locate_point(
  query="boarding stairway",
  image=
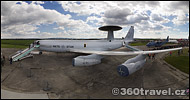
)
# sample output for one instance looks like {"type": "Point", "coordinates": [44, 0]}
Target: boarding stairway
{"type": "Point", "coordinates": [22, 54]}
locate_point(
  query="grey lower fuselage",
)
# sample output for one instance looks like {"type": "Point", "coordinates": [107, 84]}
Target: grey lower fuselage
{"type": "Point", "coordinates": [66, 45]}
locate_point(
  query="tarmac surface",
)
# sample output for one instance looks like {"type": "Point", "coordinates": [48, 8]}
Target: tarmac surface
{"type": "Point", "coordinates": [14, 95]}
{"type": "Point", "coordinates": [53, 74]}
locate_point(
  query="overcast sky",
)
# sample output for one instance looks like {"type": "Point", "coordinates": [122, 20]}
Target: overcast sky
{"type": "Point", "coordinates": [81, 19]}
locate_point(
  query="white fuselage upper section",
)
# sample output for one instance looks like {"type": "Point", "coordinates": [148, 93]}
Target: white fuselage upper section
{"type": "Point", "coordinates": [66, 45]}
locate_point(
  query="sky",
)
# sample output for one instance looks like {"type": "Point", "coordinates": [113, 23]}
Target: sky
{"type": "Point", "coordinates": [81, 19]}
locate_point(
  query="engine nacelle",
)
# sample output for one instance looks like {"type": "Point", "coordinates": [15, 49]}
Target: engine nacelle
{"type": "Point", "coordinates": [87, 60]}
{"type": "Point", "coordinates": [131, 65]}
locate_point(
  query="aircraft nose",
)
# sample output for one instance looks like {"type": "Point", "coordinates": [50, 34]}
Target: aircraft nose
{"type": "Point", "coordinates": [122, 70]}
{"type": "Point", "coordinates": [37, 44]}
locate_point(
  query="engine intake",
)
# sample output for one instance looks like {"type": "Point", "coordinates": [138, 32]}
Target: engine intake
{"type": "Point", "coordinates": [131, 65]}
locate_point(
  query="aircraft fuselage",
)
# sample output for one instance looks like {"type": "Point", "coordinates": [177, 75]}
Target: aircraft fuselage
{"type": "Point", "coordinates": [66, 45]}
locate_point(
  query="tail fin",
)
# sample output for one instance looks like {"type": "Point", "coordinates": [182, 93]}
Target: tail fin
{"type": "Point", "coordinates": [130, 34]}
{"type": "Point", "coordinates": [167, 39]}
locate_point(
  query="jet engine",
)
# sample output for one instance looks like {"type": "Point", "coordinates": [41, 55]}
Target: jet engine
{"type": "Point", "coordinates": [87, 60]}
{"type": "Point", "coordinates": [131, 65]}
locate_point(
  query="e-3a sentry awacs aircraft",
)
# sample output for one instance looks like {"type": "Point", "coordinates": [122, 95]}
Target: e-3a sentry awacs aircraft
{"type": "Point", "coordinates": [97, 49]}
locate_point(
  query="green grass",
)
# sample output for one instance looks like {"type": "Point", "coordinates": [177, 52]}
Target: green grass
{"type": "Point", "coordinates": [12, 46]}
{"type": "Point", "coordinates": [180, 62]}
{"type": "Point", "coordinates": [15, 43]}
{"type": "Point", "coordinates": [138, 43]}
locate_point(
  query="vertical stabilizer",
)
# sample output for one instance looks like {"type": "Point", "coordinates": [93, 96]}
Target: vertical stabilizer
{"type": "Point", "coordinates": [167, 39]}
{"type": "Point", "coordinates": [130, 34]}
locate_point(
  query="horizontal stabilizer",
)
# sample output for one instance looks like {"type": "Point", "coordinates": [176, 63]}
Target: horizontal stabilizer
{"type": "Point", "coordinates": [132, 48]}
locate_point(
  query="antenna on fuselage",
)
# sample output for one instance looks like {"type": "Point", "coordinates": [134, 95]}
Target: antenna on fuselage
{"type": "Point", "coordinates": [110, 30]}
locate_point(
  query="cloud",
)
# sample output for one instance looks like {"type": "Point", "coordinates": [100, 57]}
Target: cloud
{"type": "Point", "coordinates": [124, 17]}
{"type": "Point", "coordinates": [156, 17]}
{"type": "Point", "coordinates": [19, 30]}
{"type": "Point", "coordinates": [168, 8]}
{"type": "Point", "coordinates": [181, 19]}
{"type": "Point", "coordinates": [181, 5]}
{"type": "Point", "coordinates": [59, 28]}
{"type": "Point", "coordinates": [23, 18]}
{"type": "Point", "coordinates": [94, 18]}
{"type": "Point", "coordinates": [149, 17]}
{"type": "Point", "coordinates": [117, 13]}
{"type": "Point", "coordinates": [15, 14]}
{"type": "Point", "coordinates": [84, 7]}
{"type": "Point", "coordinates": [38, 2]}
{"type": "Point", "coordinates": [134, 4]}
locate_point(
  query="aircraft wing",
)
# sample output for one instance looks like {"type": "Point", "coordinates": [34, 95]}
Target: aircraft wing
{"type": "Point", "coordinates": [121, 52]}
